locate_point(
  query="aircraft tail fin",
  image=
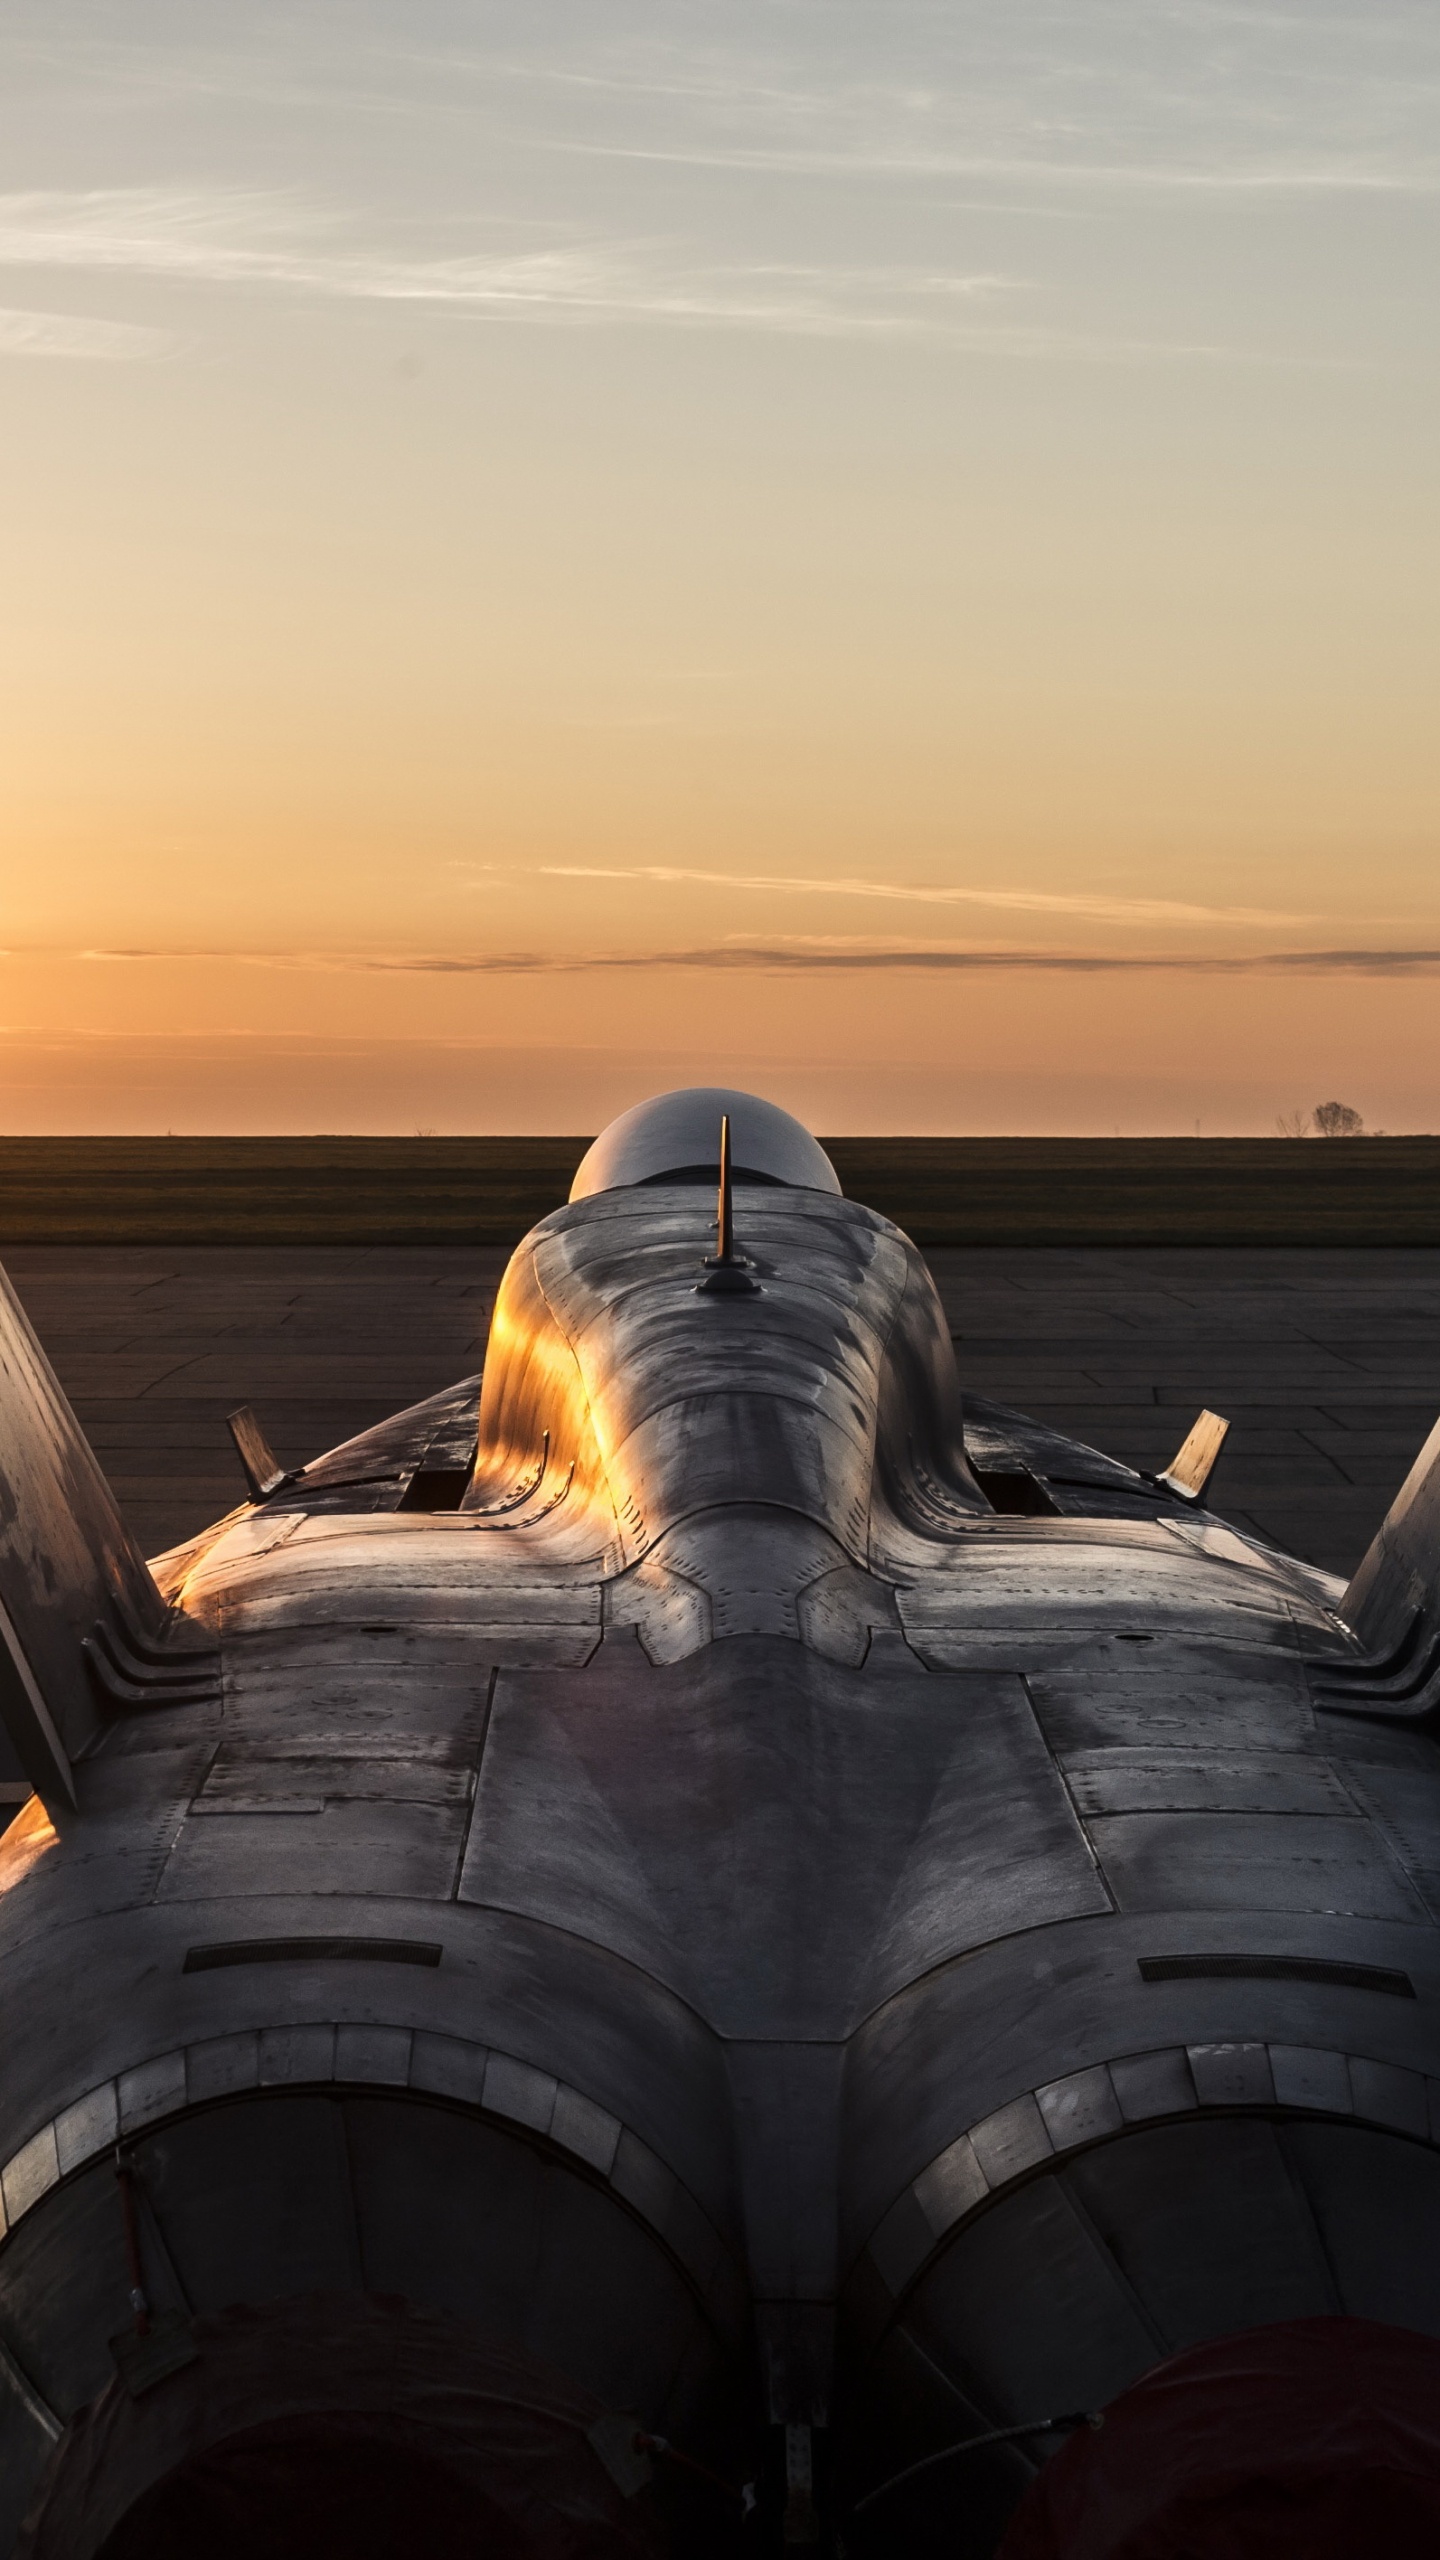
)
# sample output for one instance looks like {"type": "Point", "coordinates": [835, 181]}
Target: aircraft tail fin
{"type": "Point", "coordinates": [66, 1561]}
{"type": "Point", "coordinates": [1396, 1589]}
{"type": "Point", "coordinates": [261, 1468]}
{"type": "Point", "coordinates": [1193, 1464]}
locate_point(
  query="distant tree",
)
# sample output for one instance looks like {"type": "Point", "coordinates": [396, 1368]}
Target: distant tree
{"type": "Point", "coordinates": [1337, 1120]}
{"type": "Point", "coordinates": [1292, 1124]}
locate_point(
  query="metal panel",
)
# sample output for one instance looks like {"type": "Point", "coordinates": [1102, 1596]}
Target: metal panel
{"type": "Point", "coordinates": [1405, 1802]}
{"type": "Point", "coordinates": [1251, 1862]}
{"type": "Point", "coordinates": [914, 1821]}
{"type": "Point", "coordinates": [1231, 2075]}
{"type": "Point", "coordinates": [1191, 1696]}
{"type": "Point", "coordinates": [787, 2120]}
{"type": "Point", "coordinates": [373, 1845]}
{"type": "Point", "coordinates": [66, 1559]}
{"type": "Point", "coordinates": [963, 2042]}
{"type": "Point", "coordinates": [1306, 2079]}
{"type": "Point", "coordinates": [1388, 2094]}
{"type": "Point", "coordinates": [1014, 2139]}
{"type": "Point", "coordinates": [66, 2293]}
{"type": "Point", "coordinates": [1205, 2220]}
{"type": "Point", "coordinates": [28, 2431]}
{"type": "Point", "coordinates": [1397, 1581]}
{"type": "Point", "coordinates": [295, 2056]}
{"type": "Point", "coordinates": [1029, 2305]}
{"type": "Point", "coordinates": [1376, 2201]}
{"type": "Point", "coordinates": [1124, 1780]}
{"type": "Point", "coordinates": [31, 1732]}
{"type": "Point", "coordinates": [241, 1781]}
{"type": "Point", "coordinates": [221, 2066]}
{"type": "Point", "coordinates": [1081, 2108]}
{"type": "Point", "coordinates": [750, 1570]}
{"type": "Point", "coordinates": [592, 2259]}
{"type": "Point", "coordinates": [1078, 1575]}
{"type": "Point", "coordinates": [589, 2131]}
{"type": "Point", "coordinates": [1153, 2084]}
{"type": "Point", "coordinates": [437, 1432]}
{"type": "Point", "coordinates": [254, 2199]}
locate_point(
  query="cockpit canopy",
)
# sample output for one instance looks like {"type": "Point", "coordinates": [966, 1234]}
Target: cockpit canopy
{"type": "Point", "coordinates": [675, 1137]}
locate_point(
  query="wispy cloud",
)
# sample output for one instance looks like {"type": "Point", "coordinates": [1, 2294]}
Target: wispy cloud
{"type": "Point", "coordinates": [1039, 902]}
{"type": "Point", "coordinates": [1098, 176]}
{"type": "Point", "coordinates": [1209, 96]}
{"type": "Point", "coordinates": [1194, 98]}
{"type": "Point", "coordinates": [278, 240]}
{"type": "Point", "coordinates": [61, 333]}
{"type": "Point", "coordinates": [797, 955]}
{"type": "Point", "coordinates": [969, 962]}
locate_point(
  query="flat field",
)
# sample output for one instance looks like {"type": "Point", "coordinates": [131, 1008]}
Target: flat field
{"type": "Point", "coordinates": [943, 1191]}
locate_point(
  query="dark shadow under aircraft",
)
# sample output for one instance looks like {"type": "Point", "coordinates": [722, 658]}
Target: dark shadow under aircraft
{"type": "Point", "coordinates": [691, 1949]}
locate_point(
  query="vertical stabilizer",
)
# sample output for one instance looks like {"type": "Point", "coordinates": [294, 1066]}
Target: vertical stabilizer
{"type": "Point", "coordinates": [1397, 1587]}
{"type": "Point", "coordinates": [1193, 1464]}
{"type": "Point", "coordinates": [66, 1559]}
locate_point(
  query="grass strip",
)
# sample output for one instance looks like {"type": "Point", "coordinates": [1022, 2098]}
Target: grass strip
{"type": "Point", "coordinates": [1003, 1191]}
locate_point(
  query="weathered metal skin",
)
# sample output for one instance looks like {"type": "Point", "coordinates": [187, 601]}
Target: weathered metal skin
{"type": "Point", "coordinates": [64, 1552]}
{"type": "Point", "coordinates": [780, 1942]}
{"type": "Point", "coordinates": [833, 1398]}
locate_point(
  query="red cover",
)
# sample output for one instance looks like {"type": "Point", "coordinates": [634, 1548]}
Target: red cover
{"type": "Point", "coordinates": [1315, 2438]}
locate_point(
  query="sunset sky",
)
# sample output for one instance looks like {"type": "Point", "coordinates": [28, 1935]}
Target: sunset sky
{"type": "Point", "coordinates": [883, 550]}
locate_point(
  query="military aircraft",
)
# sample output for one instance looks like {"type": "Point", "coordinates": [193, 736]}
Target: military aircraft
{"type": "Point", "coordinates": [698, 1946]}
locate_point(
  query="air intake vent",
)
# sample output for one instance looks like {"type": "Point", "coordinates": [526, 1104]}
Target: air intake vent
{"type": "Point", "coordinates": [308, 1950]}
{"type": "Point", "coordinates": [1014, 1489]}
{"type": "Point", "coordinates": [1347, 1977]}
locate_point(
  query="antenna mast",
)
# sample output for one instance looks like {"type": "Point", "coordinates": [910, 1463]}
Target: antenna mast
{"type": "Point", "coordinates": [727, 1272]}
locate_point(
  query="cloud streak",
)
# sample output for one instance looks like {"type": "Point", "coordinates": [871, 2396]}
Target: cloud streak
{"type": "Point", "coordinates": [1039, 902]}
{"type": "Point", "coordinates": [279, 241]}
{"type": "Point", "coordinates": [270, 239]}
{"type": "Point", "coordinates": [1209, 96]}
{"type": "Point", "coordinates": [1095, 176]}
{"type": "Point", "coordinates": [1194, 98]}
{"type": "Point", "coordinates": [796, 956]}
{"type": "Point", "coordinates": [62, 334]}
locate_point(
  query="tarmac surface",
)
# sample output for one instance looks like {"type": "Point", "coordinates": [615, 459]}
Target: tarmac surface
{"type": "Point", "coordinates": [1326, 1361]}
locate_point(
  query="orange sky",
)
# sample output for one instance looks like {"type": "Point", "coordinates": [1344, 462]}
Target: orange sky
{"type": "Point", "coordinates": [552, 553]}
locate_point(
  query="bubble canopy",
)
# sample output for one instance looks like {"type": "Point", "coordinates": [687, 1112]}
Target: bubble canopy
{"type": "Point", "coordinates": [675, 1137]}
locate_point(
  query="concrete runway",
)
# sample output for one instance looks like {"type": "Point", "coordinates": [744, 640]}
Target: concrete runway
{"type": "Point", "coordinates": [1327, 1362]}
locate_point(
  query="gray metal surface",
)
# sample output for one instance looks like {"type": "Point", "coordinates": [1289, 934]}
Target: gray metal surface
{"type": "Point", "coordinates": [701, 1894]}
{"type": "Point", "coordinates": [66, 1560]}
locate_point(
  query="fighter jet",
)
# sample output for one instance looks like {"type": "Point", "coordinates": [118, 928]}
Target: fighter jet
{"type": "Point", "coordinates": [701, 1945]}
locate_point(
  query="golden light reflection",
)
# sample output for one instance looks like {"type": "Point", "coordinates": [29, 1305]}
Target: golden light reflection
{"type": "Point", "coordinates": [534, 1408]}
{"type": "Point", "coordinates": [22, 1847]}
